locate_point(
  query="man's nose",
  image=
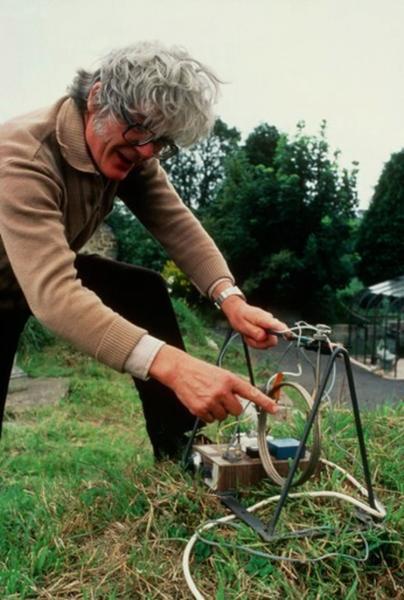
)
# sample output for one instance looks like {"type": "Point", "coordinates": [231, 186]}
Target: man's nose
{"type": "Point", "coordinates": [145, 151]}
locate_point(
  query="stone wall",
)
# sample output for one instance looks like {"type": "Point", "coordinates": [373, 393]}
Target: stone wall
{"type": "Point", "coordinates": [103, 242]}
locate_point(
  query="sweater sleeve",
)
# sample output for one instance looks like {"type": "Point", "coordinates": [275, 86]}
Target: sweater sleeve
{"type": "Point", "coordinates": [33, 234]}
{"type": "Point", "coordinates": [153, 199]}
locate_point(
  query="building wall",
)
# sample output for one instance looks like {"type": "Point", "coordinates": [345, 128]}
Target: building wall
{"type": "Point", "coordinates": [103, 242]}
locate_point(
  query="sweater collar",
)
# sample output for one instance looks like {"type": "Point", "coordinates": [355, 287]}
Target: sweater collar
{"type": "Point", "coordinates": [71, 139]}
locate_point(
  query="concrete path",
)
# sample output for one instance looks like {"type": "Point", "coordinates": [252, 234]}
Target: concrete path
{"type": "Point", "coordinates": [28, 393]}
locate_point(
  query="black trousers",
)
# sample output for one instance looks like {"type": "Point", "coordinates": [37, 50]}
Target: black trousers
{"type": "Point", "coordinates": [140, 296]}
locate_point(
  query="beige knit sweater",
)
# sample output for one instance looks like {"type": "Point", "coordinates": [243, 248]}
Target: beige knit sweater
{"type": "Point", "coordinates": [51, 201]}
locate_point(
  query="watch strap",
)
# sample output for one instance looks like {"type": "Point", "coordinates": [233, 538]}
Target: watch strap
{"type": "Point", "coordinates": [230, 291]}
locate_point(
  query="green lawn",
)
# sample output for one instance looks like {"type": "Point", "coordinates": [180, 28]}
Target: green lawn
{"type": "Point", "coordinates": [85, 514]}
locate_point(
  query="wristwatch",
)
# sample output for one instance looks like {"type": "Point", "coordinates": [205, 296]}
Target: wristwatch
{"type": "Point", "coordinates": [230, 291]}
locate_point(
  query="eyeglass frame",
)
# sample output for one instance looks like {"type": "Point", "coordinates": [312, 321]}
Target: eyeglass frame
{"type": "Point", "coordinates": [172, 147]}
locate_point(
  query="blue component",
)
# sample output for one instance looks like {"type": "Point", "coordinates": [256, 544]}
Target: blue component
{"type": "Point", "coordinates": [283, 448]}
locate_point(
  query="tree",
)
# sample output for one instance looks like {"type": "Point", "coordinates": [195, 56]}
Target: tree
{"type": "Point", "coordinates": [381, 233]}
{"type": "Point", "coordinates": [135, 244]}
{"type": "Point", "coordinates": [260, 145]}
{"type": "Point", "coordinates": [286, 228]}
{"type": "Point", "coordinates": [197, 173]}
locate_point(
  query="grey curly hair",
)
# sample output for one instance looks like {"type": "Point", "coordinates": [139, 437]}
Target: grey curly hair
{"type": "Point", "coordinates": [174, 91]}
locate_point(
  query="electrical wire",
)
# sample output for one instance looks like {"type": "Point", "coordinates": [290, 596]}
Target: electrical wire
{"type": "Point", "coordinates": [379, 512]}
{"type": "Point", "coordinates": [307, 469]}
{"type": "Point", "coordinates": [289, 558]}
{"type": "Point", "coordinates": [230, 337]}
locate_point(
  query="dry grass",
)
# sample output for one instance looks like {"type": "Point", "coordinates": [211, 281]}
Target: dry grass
{"type": "Point", "coordinates": [85, 515]}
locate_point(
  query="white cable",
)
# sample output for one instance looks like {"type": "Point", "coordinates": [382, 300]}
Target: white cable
{"type": "Point", "coordinates": [284, 373]}
{"type": "Point", "coordinates": [300, 326]}
{"type": "Point", "coordinates": [379, 512]}
{"type": "Point", "coordinates": [328, 391]}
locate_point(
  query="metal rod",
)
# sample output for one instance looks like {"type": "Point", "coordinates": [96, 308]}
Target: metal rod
{"type": "Point", "coordinates": [374, 343]}
{"type": "Point", "coordinates": [366, 345]}
{"type": "Point", "coordinates": [359, 429]}
{"type": "Point", "coordinates": [306, 432]}
{"type": "Point", "coordinates": [398, 328]}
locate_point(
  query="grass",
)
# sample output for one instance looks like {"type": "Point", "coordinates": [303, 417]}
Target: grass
{"type": "Point", "coordinates": [85, 514]}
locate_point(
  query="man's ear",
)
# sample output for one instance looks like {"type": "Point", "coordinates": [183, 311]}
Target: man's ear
{"type": "Point", "coordinates": [92, 100]}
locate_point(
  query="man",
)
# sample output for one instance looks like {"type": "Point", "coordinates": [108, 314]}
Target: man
{"type": "Point", "coordinates": [60, 170]}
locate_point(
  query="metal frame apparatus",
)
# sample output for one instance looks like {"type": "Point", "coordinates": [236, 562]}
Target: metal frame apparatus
{"type": "Point", "coordinates": [369, 511]}
{"type": "Point", "coordinates": [376, 327]}
{"type": "Point", "coordinates": [321, 345]}
{"type": "Point", "coordinates": [337, 352]}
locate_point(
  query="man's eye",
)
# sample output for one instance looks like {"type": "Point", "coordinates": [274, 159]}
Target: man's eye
{"type": "Point", "coordinates": [140, 128]}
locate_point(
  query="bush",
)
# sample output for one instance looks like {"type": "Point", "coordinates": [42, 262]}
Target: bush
{"type": "Point", "coordinates": [178, 283]}
{"type": "Point", "coordinates": [346, 295]}
{"type": "Point", "coordinates": [34, 337]}
{"type": "Point", "coordinates": [136, 245]}
{"type": "Point", "coordinates": [191, 325]}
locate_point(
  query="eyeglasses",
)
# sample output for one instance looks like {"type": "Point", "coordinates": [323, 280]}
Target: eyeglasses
{"type": "Point", "coordinates": [138, 135]}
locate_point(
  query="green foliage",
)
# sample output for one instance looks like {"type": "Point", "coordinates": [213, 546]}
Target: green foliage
{"type": "Point", "coordinates": [286, 229]}
{"type": "Point", "coordinates": [177, 282]}
{"type": "Point", "coordinates": [34, 337]}
{"type": "Point", "coordinates": [197, 173]}
{"type": "Point", "coordinates": [381, 239]}
{"type": "Point", "coordinates": [191, 325]}
{"type": "Point", "coordinates": [279, 207]}
{"type": "Point", "coordinates": [348, 293]}
{"type": "Point", "coordinates": [260, 145]}
{"type": "Point", "coordinates": [85, 514]}
{"type": "Point", "coordinates": [135, 244]}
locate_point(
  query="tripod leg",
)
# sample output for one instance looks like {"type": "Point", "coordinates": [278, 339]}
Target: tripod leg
{"type": "Point", "coordinates": [358, 424]}
{"type": "Point", "coordinates": [306, 432]}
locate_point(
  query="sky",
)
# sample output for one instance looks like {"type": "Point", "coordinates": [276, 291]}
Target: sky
{"type": "Point", "coordinates": [282, 61]}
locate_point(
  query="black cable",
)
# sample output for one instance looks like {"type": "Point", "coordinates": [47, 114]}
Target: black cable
{"type": "Point", "coordinates": [230, 335]}
{"type": "Point", "coordinates": [248, 361]}
{"type": "Point", "coordinates": [185, 460]}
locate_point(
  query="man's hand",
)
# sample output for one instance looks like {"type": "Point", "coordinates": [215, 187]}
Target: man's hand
{"type": "Point", "coordinates": [207, 391]}
{"type": "Point", "coordinates": [252, 323]}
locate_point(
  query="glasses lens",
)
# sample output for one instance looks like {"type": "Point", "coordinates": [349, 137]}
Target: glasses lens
{"type": "Point", "coordinates": [138, 135]}
{"type": "Point", "coordinates": [164, 150]}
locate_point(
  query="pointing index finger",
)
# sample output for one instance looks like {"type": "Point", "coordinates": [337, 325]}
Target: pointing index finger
{"type": "Point", "coordinates": [259, 398]}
